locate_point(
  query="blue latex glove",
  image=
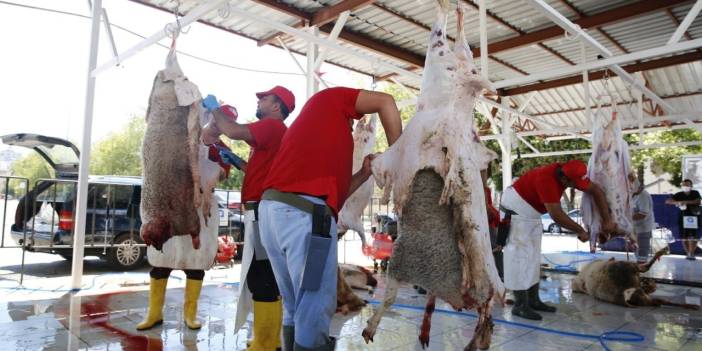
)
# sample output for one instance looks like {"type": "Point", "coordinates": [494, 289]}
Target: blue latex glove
{"type": "Point", "coordinates": [230, 158]}
{"type": "Point", "coordinates": [210, 103]}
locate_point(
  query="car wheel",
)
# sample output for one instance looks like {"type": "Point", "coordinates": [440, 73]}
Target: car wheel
{"type": "Point", "coordinates": [126, 255]}
{"type": "Point", "coordinates": [554, 228]}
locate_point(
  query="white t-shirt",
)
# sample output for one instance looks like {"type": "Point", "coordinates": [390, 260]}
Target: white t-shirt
{"type": "Point", "coordinates": [643, 203]}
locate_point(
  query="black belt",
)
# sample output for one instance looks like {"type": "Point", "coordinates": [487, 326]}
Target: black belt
{"type": "Point", "coordinates": [252, 206]}
{"type": "Point", "coordinates": [321, 214]}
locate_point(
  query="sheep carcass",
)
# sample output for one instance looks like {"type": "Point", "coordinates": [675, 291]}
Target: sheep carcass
{"type": "Point", "coordinates": [351, 215]}
{"type": "Point", "coordinates": [618, 282]}
{"type": "Point", "coordinates": [352, 277]}
{"type": "Point", "coordinates": [610, 168]}
{"type": "Point", "coordinates": [171, 194]}
{"type": "Point", "coordinates": [434, 173]}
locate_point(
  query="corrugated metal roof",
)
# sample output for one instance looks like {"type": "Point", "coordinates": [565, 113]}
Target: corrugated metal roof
{"type": "Point", "coordinates": [404, 25]}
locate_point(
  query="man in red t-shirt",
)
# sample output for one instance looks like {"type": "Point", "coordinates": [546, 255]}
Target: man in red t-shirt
{"type": "Point", "coordinates": [257, 278]}
{"type": "Point", "coordinates": [536, 192]}
{"type": "Point", "coordinates": [307, 185]}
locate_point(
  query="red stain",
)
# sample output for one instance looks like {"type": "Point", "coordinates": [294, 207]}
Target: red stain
{"type": "Point", "coordinates": [96, 313]}
{"type": "Point", "coordinates": [597, 314]}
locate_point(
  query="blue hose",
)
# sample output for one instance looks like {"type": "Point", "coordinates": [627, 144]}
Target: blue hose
{"type": "Point", "coordinates": [620, 336]}
{"type": "Point", "coordinates": [570, 266]}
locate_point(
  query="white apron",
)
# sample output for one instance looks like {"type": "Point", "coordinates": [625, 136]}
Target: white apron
{"type": "Point", "coordinates": [522, 253]}
{"type": "Point", "coordinates": [245, 302]}
{"type": "Point", "coordinates": [178, 251]}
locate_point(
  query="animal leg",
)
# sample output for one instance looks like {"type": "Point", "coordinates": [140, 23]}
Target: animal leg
{"type": "Point", "coordinates": [193, 145]}
{"type": "Point", "coordinates": [426, 322]}
{"type": "Point", "coordinates": [388, 300]}
{"type": "Point", "coordinates": [645, 267]}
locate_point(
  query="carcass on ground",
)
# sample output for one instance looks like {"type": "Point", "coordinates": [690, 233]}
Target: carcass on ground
{"type": "Point", "coordinates": [433, 171]}
{"type": "Point", "coordinates": [619, 282]}
{"type": "Point", "coordinates": [352, 277]}
{"type": "Point", "coordinates": [610, 168]}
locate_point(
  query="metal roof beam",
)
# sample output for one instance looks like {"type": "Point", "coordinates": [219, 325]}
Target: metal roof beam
{"type": "Point", "coordinates": [574, 29]}
{"type": "Point", "coordinates": [330, 13]}
{"type": "Point", "coordinates": [631, 147]}
{"type": "Point", "coordinates": [606, 17]}
{"type": "Point", "coordinates": [636, 67]}
{"type": "Point", "coordinates": [608, 62]}
{"type": "Point", "coordinates": [682, 28]}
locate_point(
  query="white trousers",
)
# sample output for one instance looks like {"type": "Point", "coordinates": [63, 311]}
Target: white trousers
{"type": "Point", "coordinates": [522, 253]}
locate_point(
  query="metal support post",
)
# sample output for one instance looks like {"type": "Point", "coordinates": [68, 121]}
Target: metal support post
{"type": "Point", "coordinates": [81, 205]}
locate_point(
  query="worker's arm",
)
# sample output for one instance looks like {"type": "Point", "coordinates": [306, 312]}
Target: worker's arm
{"type": "Point", "coordinates": [608, 226]}
{"type": "Point", "coordinates": [230, 128]}
{"type": "Point", "coordinates": [554, 209]}
{"type": "Point", "coordinates": [384, 105]}
{"type": "Point", "coordinates": [362, 175]}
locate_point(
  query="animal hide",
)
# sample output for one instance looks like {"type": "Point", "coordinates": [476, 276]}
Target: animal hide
{"type": "Point", "coordinates": [619, 282]}
{"type": "Point", "coordinates": [433, 171]}
{"type": "Point", "coordinates": [351, 215]}
{"type": "Point", "coordinates": [610, 168]}
{"type": "Point", "coordinates": [173, 191]}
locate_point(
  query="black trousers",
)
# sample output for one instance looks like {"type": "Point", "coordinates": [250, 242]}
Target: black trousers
{"type": "Point", "coordinates": [164, 272]}
{"type": "Point", "coordinates": [261, 281]}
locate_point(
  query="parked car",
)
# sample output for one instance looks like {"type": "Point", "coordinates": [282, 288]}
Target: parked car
{"type": "Point", "coordinates": [552, 227]}
{"type": "Point", "coordinates": [45, 215]}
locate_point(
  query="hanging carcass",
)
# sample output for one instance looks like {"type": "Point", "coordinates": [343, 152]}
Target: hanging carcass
{"type": "Point", "coordinates": [609, 167]}
{"type": "Point", "coordinates": [350, 216]}
{"type": "Point", "coordinates": [618, 282]}
{"type": "Point", "coordinates": [433, 171]}
{"type": "Point", "coordinates": [173, 192]}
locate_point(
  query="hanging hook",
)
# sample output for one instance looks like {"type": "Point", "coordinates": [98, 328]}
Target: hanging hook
{"type": "Point", "coordinates": [173, 31]}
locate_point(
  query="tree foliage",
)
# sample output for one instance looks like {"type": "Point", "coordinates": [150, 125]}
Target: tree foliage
{"type": "Point", "coordinates": [667, 160]}
{"type": "Point", "coordinates": [120, 152]}
{"type": "Point", "coordinates": [406, 113]}
{"type": "Point", "coordinates": [33, 167]}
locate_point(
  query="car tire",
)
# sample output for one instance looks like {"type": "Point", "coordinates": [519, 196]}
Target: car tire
{"type": "Point", "coordinates": [554, 229]}
{"type": "Point", "coordinates": [125, 258]}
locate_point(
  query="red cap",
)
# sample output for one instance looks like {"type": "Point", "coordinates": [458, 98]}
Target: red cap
{"type": "Point", "coordinates": [576, 170]}
{"type": "Point", "coordinates": [285, 95]}
{"type": "Point", "coordinates": [229, 111]}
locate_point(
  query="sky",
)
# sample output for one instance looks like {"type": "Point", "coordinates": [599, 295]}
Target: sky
{"type": "Point", "coordinates": [44, 64]}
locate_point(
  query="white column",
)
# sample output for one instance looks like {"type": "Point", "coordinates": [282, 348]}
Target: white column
{"type": "Point", "coordinates": [79, 229]}
{"type": "Point", "coordinates": [506, 147]}
{"type": "Point", "coordinates": [312, 50]}
{"type": "Point", "coordinates": [586, 83]}
{"type": "Point", "coordinates": [639, 113]}
{"type": "Point", "coordinates": [483, 38]}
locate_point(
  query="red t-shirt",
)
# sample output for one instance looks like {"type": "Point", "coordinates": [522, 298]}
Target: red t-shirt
{"type": "Point", "coordinates": [316, 154]}
{"type": "Point", "coordinates": [267, 135]}
{"type": "Point", "coordinates": [540, 186]}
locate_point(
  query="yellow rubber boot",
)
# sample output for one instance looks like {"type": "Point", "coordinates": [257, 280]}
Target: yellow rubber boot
{"type": "Point", "coordinates": [192, 293]}
{"type": "Point", "coordinates": [157, 295]}
{"type": "Point", "coordinates": [267, 322]}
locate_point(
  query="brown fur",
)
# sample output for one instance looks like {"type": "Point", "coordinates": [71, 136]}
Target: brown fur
{"type": "Point", "coordinates": [346, 300]}
{"type": "Point", "coordinates": [619, 282]}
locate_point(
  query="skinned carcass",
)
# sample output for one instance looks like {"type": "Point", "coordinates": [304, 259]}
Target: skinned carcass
{"type": "Point", "coordinates": [618, 282]}
{"type": "Point", "coordinates": [610, 168]}
{"type": "Point", "coordinates": [172, 192]}
{"type": "Point", "coordinates": [433, 171]}
{"type": "Point", "coordinates": [350, 216]}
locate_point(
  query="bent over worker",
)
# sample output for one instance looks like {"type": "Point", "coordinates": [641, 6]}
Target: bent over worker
{"type": "Point", "coordinates": [307, 185]}
{"type": "Point", "coordinates": [257, 279]}
{"type": "Point", "coordinates": [536, 192]}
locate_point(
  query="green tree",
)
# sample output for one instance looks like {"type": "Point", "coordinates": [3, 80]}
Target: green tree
{"type": "Point", "coordinates": [120, 152]}
{"type": "Point", "coordinates": [31, 166]}
{"type": "Point", "coordinates": [236, 177]}
{"type": "Point", "coordinates": [666, 160]}
{"type": "Point", "coordinates": [406, 113]}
